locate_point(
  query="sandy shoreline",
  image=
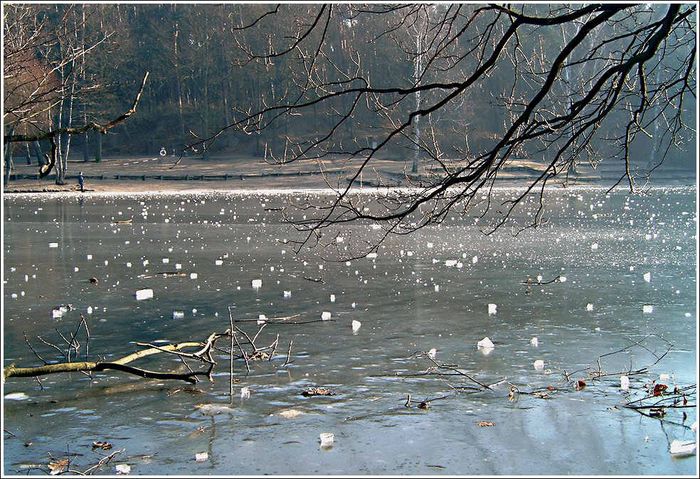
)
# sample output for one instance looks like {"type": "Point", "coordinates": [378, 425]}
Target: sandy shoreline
{"type": "Point", "coordinates": [161, 175]}
{"type": "Point", "coordinates": [155, 174]}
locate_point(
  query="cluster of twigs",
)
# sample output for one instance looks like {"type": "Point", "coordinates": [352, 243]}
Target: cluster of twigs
{"type": "Point", "coordinates": [196, 356]}
{"type": "Point", "coordinates": [656, 401]}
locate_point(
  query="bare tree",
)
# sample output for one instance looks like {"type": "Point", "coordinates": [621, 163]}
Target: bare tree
{"type": "Point", "coordinates": [45, 81]}
{"type": "Point", "coordinates": [576, 83]}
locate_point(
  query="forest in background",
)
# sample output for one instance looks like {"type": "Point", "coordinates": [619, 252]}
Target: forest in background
{"type": "Point", "coordinates": [210, 65]}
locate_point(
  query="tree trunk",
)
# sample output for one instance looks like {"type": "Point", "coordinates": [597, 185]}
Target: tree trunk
{"type": "Point", "coordinates": [205, 153]}
{"type": "Point", "coordinates": [98, 150]}
{"type": "Point", "coordinates": [8, 159]}
{"type": "Point", "coordinates": [36, 146]}
{"type": "Point", "coordinates": [86, 152]}
{"type": "Point", "coordinates": [178, 86]}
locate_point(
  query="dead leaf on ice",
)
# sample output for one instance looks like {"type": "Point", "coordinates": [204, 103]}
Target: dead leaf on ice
{"type": "Point", "coordinates": [58, 467]}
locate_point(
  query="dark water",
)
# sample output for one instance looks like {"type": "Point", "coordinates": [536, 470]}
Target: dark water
{"type": "Point", "coordinates": [428, 290]}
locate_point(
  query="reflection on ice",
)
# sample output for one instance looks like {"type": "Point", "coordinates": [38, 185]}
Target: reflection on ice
{"type": "Point", "coordinates": [392, 293]}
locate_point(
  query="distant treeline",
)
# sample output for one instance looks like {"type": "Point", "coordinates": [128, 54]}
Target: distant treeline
{"type": "Point", "coordinates": [211, 64]}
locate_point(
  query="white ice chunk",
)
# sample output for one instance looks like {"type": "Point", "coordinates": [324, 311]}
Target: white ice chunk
{"type": "Point", "coordinates": [262, 319]}
{"type": "Point", "coordinates": [122, 468]}
{"type": "Point", "coordinates": [371, 255]}
{"type": "Point", "coordinates": [432, 353]}
{"type": "Point", "coordinates": [475, 259]}
{"type": "Point", "coordinates": [437, 288]}
{"type": "Point", "coordinates": [178, 266]}
{"type": "Point", "coordinates": [56, 313]}
{"type": "Point", "coordinates": [193, 275]}
{"type": "Point", "coordinates": [89, 310]}
{"type": "Point", "coordinates": [562, 279]}
{"type": "Point", "coordinates": [589, 307]}
{"type": "Point", "coordinates": [594, 246]}
{"type": "Point", "coordinates": [89, 257]}
{"type": "Point", "coordinates": [287, 294]}
{"type": "Point", "coordinates": [486, 351]}
{"type": "Point", "coordinates": [648, 308]}
{"type": "Point", "coordinates": [450, 262]}
{"type": "Point", "coordinates": [485, 343]}
{"type": "Point", "coordinates": [332, 298]}
{"type": "Point", "coordinates": [16, 396]}
{"type": "Point", "coordinates": [144, 294]}
{"type": "Point", "coordinates": [201, 456]}
{"type": "Point", "coordinates": [535, 342]}
{"type": "Point", "coordinates": [218, 262]}
{"type": "Point", "coordinates": [245, 392]}
{"type": "Point", "coordinates": [166, 260]}
{"type": "Point", "coordinates": [429, 244]}
{"type": "Point", "coordinates": [53, 245]}
{"type": "Point", "coordinates": [492, 308]}
{"type": "Point", "coordinates": [256, 283]}
{"type": "Point", "coordinates": [326, 315]}
{"type": "Point", "coordinates": [356, 325]}
{"type": "Point", "coordinates": [539, 365]}
{"type": "Point", "coordinates": [683, 448]}
{"type": "Point", "coordinates": [624, 383]}
{"type": "Point", "coordinates": [178, 314]}
{"type": "Point", "coordinates": [327, 439]}
{"type": "Point", "coordinates": [647, 277]}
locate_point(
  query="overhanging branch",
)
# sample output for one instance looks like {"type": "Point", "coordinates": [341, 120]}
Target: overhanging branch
{"type": "Point", "coordinates": [102, 128]}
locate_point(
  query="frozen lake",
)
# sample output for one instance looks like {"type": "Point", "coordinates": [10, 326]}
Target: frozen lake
{"type": "Point", "coordinates": [430, 290]}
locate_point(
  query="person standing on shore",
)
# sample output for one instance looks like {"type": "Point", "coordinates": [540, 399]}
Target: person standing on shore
{"type": "Point", "coordinates": [81, 181]}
